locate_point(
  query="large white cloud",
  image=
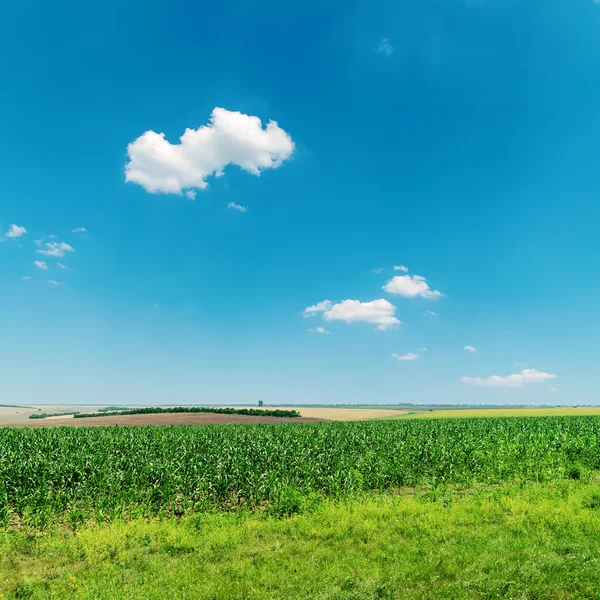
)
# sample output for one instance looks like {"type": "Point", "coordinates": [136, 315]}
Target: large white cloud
{"type": "Point", "coordinates": [230, 138]}
{"type": "Point", "coordinates": [379, 312]}
{"type": "Point", "coordinates": [516, 380]}
{"type": "Point", "coordinates": [16, 231]}
{"type": "Point", "coordinates": [410, 286]}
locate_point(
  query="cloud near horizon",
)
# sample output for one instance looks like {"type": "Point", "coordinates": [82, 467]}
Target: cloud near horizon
{"type": "Point", "coordinates": [229, 138]}
{"type": "Point", "coordinates": [515, 380]}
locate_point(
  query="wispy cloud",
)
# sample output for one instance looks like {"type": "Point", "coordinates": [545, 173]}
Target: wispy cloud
{"type": "Point", "coordinates": [409, 356]}
{"type": "Point", "coordinates": [61, 266]}
{"type": "Point", "coordinates": [321, 330]}
{"type": "Point", "coordinates": [401, 268]}
{"type": "Point", "coordinates": [40, 264]}
{"type": "Point", "coordinates": [377, 270]}
{"type": "Point", "coordinates": [26, 278]}
{"type": "Point", "coordinates": [190, 194]}
{"type": "Point", "coordinates": [56, 249]}
{"type": "Point", "coordinates": [556, 388]}
{"type": "Point", "coordinates": [515, 380]}
{"type": "Point", "coordinates": [16, 231]}
{"type": "Point", "coordinates": [229, 138]}
{"type": "Point", "coordinates": [430, 313]}
{"type": "Point", "coordinates": [52, 282]}
{"type": "Point", "coordinates": [385, 47]}
{"type": "Point", "coordinates": [237, 207]}
{"type": "Point", "coordinates": [470, 349]}
{"type": "Point", "coordinates": [79, 230]}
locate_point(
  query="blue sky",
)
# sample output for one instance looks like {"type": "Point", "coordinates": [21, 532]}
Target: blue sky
{"type": "Point", "coordinates": [456, 138]}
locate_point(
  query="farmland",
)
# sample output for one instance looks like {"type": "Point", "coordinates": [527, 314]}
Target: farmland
{"type": "Point", "coordinates": [416, 508]}
{"type": "Point", "coordinates": [103, 473]}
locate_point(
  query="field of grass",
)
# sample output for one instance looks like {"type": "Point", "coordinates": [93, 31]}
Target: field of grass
{"type": "Point", "coordinates": [404, 508]}
{"type": "Point", "coordinates": [536, 541]}
{"type": "Point", "coordinates": [506, 412]}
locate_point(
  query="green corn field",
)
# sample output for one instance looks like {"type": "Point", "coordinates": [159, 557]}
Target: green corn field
{"type": "Point", "coordinates": [78, 474]}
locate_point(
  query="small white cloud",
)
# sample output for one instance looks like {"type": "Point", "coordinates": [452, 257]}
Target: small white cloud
{"type": "Point", "coordinates": [79, 230]}
{"type": "Point", "coordinates": [311, 311]}
{"type": "Point", "coordinates": [430, 313]}
{"type": "Point", "coordinates": [38, 243]}
{"type": "Point", "coordinates": [410, 287]}
{"type": "Point", "coordinates": [61, 266]}
{"type": "Point", "coordinates": [379, 312]}
{"type": "Point", "coordinates": [238, 207]}
{"type": "Point", "coordinates": [386, 47]}
{"type": "Point", "coordinates": [526, 376]}
{"type": "Point", "coordinates": [229, 138]}
{"type": "Point", "coordinates": [377, 270]}
{"type": "Point", "coordinates": [401, 268]}
{"type": "Point", "coordinates": [52, 282]}
{"type": "Point", "coordinates": [26, 278]}
{"type": "Point", "coordinates": [40, 264]}
{"type": "Point", "coordinates": [16, 231]}
{"type": "Point", "coordinates": [321, 330]}
{"type": "Point", "coordinates": [556, 388]}
{"type": "Point", "coordinates": [470, 349]}
{"type": "Point", "coordinates": [52, 236]}
{"type": "Point", "coordinates": [56, 249]}
{"type": "Point", "coordinates": [409, 356]}
{"type": "Point", "coordinates": [190, 194]}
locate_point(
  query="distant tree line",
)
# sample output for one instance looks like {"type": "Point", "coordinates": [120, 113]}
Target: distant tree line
{"type": "Point", "coordinates": [253, 412]}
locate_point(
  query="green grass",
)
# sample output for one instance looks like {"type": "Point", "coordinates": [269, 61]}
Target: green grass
{"type": "Point", "coordinates": [538, 541]}
{"type": "Point", "coordinates": [74, 475]}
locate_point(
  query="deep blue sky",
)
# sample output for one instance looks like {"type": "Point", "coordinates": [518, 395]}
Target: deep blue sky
{"type": "Point", "coordinates": [468, 151]}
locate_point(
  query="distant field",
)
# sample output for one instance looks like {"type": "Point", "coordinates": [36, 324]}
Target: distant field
{"type": "Point", "coordinates": [506, 412]}
{"type": "Point", "coordinates": [346, 414]}
{"type": "Point", "coordinates": [20, 417]}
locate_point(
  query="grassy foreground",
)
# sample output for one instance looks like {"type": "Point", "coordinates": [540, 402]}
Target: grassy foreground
{"type": "Point", "coordinates": [522, 542]}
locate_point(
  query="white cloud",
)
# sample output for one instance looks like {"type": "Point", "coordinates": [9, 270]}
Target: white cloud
{"type": "Point", "coordinates": [470, 349]}
{"type": "Point", "coordinates": [38, 242]}
{"type": "Point", "coordinates": [320, 330]}
{"type": "Point", "coordinates": [556, 388]}
{"type": "Point", "coordinates": [237, 207]}
{"type": "Point", "coordinates": [230, 138]}
{"type": "Point", "coordinates": [16, 231]}
{"type": "Point", "coordinates": [190, 194]}
{"type": "Point", "coordinates": [410, 287]}
{"type": "Point", "coordinates": [386, 47]}
{"type": "Point", "coordinates": [52, 236]}
{"type": "Point", "coordinates": [311, 311]}
{"type": "Point", "coordinates": [377, 270]}
{"type": "Point", "coordinates": [409, 356]}
{"type": "Point", "coordinates": [52, 282]}
{"type": "Point", "coordinates": [56, 249]}
{"type": "Point", "coordinates": [430, 313]}
{"type": "Point", "coordinates": [61, 266]}
{"type": "Point", "coordinates": [516, 380]}
{"type": "Point", "coordinates": [79, 230]}
{"type": "Point", "coordinates": [379, 312]}
{"type": "Point", "coordinates": [40, 264]}
{"type": "Point", "coordinates": [26, 278]}
{"type": "Point", "coordinates": [401, 268]}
